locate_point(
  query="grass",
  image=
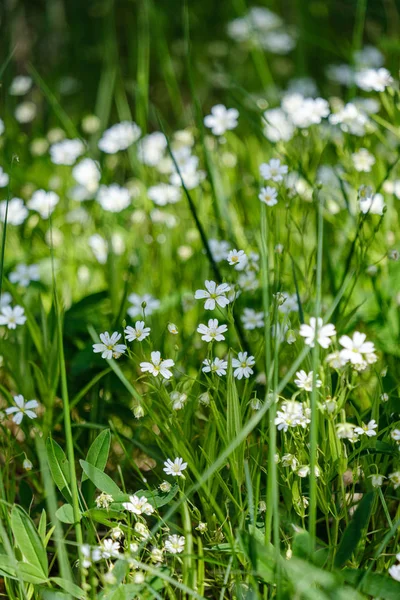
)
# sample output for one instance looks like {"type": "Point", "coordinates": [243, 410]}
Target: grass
{"type": "Point", "coordinates": [279, 496]}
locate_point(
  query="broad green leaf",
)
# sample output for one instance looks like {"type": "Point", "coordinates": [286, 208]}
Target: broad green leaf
{"type": "Point", "coordinates": [30, 573]}
{"type": "Point", "coordinates": [42, 526]}
{"type": "Point", "coordinates": [28, 541]}
{"type": "Point", "coordinates": [69, 587]}
{"type": "Point", "coordinates": [354, 530]}
{"type": "Point", "coordinates": [374, 584]}
{"type": "Point", "coordinates": [98, 452]}
{"type": "Point", "coordinates": [59, 467]}
{"type": "Point", "coordinates": [66, 514]}
{"type": "Point", "coordinates": [103, 516]}
{"type": "Point", "coordinates": [102, 481]}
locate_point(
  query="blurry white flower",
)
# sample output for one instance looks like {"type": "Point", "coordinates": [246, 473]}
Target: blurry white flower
{"type": "Point", "coordinates": [273, 170]}
{"type": "Point", "coordinates": [356, 349]}
{"type": "Point", "coordinates": [221, 119]}
{"type": "Point", "coordinates": [351, 119]}
{"type": "Point", "coordinates": [140, 304]}
{"type": "Point", "coordinates": [175, 468]}
{"type": "Point", "coordinates": [4, 178]}
{"type": "Point", "coordinates": [24, 274]}
{"type": "Point", "coordinates": [374, 205]}
{"type": "Point", "coordinates": [66, 152]}
{"type": "Point", "coordinates": [277, 125]}
{"type": "Point", "coordinates": [119, 137]}
{"type": "Point", "coordinates": [163, 194]}
{"type": "Point", "coordinates": [172, 328]}
{"type": "Point", "coordinates": [212, 331]}
{"type": "Point", "coordinates": [158, 366]}
{"type": "Point", "coordinates": [138, 333]}
{"type": "Point", "coordinates": [16, 213]}
{"type": "Point", "coordinates": [304, 381]}
{"type": "Point", "coordinates": [113, 198]}
{"type": "Point", "coordinates": [213, 294]}
{"type": "Point", "coordinates": [345, 430]}
{"type": "Point", "coordinates": [324, 333]}
{"type": "Point", "coordinates": [138, 506]}
{"type": "Point", "coordinates": [109, 549]}
{"type": "Point", "coordinates": [22, 408]}
{"type": "Point", "coordinates": [304, 471]}
{"type": "Point", "coordinates": [25, 112]}
{"type": "Point", "coordinates": [11, 317]}
{"type": "Point", "coordinates": [268, 195]}
{"type": "Point", "coordinates": [376, 80]}
{"type": "Point", "coordinates": [290, 303]}
{"type": "Point", "coordinates": [87, 174]}
{"type": "Point", "coordinates": [238, 259]}
{"type": "Point", "coordinates": [178, 400]}
{"type": "Point", "coordinates": [395, 479]}
{"type": "Point", "coordinates": [242, 365]}
{"type": "Point", "coordinates": [394, 572]}
{"type": "Point", "coordinates": [99, 247]}
{"type": "Point", "coordinates": [27, 465]}
{"type": "Point", "coordinates": [109, 346]}
{"type": "Point", "coordinates": [43, 202]}
{"type": "Point", "coordinates": [252, 319]}
{"type": "Point", "coordinates": [91, 124]}
{"type": "Point", "coordinates": [20, 85]}
{"type": "Point", "coordinates": [219, 249]}
{"type": "Point", "coordinates": [151, 148]}
{"type": "Point", "coordinates": [5, 299]}
{"type": "Point", "coordinates": [377, 480]}
{"type": "Point", "coordinates": [217, 366]}
{"type": "Point", "coordinates": [363, 160]}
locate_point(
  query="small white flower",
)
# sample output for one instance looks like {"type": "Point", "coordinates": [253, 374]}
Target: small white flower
{"type": "Point", "coordinates": [20, 85]}
{"type": "Point", "coordinates": [4, 178]}
{"type": "Point", "coordinates": [138, 333]}
{"type": "Point", "coordinates": [221, 119]}
{"type": "Point", "coordinates": [377, 480]}
{"type": "Point", "coordinates": [104, 500]}
{"type": "Point", "coordinates": [16, 213]}
{"type": "Point", "coordinates": [87, 174]}
{"type": "Point", "coordinates": [119, 137]}
{"type": "Point", "coordinates": [109, 549]}
{"type": "Point", "coordinates": [140, 304]}
{"type": "Point", "coordinates": [66, 152]}
{"type": "Point", "coordinates": [175, 544]}
{"type": "Point", "coordinates": [304, 471]}
{"type": "Point", "coordinates": [212, 331]}
{"type": "Point", "coordinates": [374, 79]}
{"type": "Point", "coordinates": [24, 274]}
{"type": "Point", "coordinates": [395, 435]}
{"type": "Point", "coordinates": [163, 194]}
{"type": "Point", "coordinates": [273, 170]}
{"type": "Point", "coordinates": [356, 349]}
{"type": "Point", "coordinates": [113, 198]}
{"type": "Point", "coordinates": [165, 487]}
{"type": "Point", "coordinates": [138, 506]}
{"type": "Point", "coordinates": [175, 468]}
{"type": "Point", "coordinates": [238, 259]}
{"type": "Point", "coordinates": [304, 381]}
{"type": "Point", "coordinates": [363, 160]}
{"type": "Point", "coordinates": [109, 346]}
{"type": "Point", "coordinates": [252, 319]}
{"type": "Point", "coordinates": [172, 328]}
{"type": "Point", "coordinates": [242, 365]}
{"type": "Point", "coordinates": [213, 294]}
{"type": "Point", "coordinates": [325, 332]}
{"type": "Point", "coordinates": [368, 430]}
{"type": "Point", "coordinates": [11, 317]}
{"type": "Point", "coordinates": [43, 202]}
{"type": "Point", "coordinates": [345, 431]}
{"type": "Point", "coordinates": [268, 195]}
{"type": "Point", "coordinates": [22, 408]}
{"type": "Point", "coordinates": [25, 112]}
{"type": "Point", "coordinates": [158, 366]}
{"type": "Point", "coordinates": [395, 479]}
{"type": "Point", "coordinates": [178, 400]}
{"type": "Point", "coordinates": [394, 571]}
{"type": "Point", "coordinates": [374, 205]}
{"type": "Point", "coordinates": [217, 366]}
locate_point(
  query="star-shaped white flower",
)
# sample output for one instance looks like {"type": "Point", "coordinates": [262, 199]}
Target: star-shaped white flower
{"type": "Point", "coordinates": [158, 366]}
{"type": "Point", "coordinates": [213, 294]}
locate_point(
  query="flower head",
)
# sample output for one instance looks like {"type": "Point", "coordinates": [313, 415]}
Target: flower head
{"type": "Point", "coordinates": [324, 332]}
{"type": "Point", "coordinates": [212, 331]}
{"type": "Point", "coordinates": [213, 294]}
{"type": "Point", "coordinates": [109, 346]}
{"type": "Point", "coordinates": [11, 317]}
{"type": "Point", "coordinates": [138, 333]}
{"type": "Point", "coordinates": [242, 365]}
{"type": "Point", "coordinates": [138, 505]}
{"type": "Point", "coordinates": [221, 119]}
{"type": "Point", "coordinates": [158, 366]}
{"type": "Point", "coordinates": [22, 408]}
{"type": "Point", "coordinates": [217, 366]}
{"type": "Point", "coordinates": [175, 544]}
{"type": "Point", "coordinates": [175, 468]}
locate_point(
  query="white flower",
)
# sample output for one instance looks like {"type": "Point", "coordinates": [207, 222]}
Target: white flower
{"type": "Point", "coordinates": [217, 366]}
{"type": "Point", "coordinates": [104, 500]}
{"type": "Point", "coordinates": [163, 194]}
{"type": "Point", "coordinates": [158, 366]}
{"type": "Point", "coordinates": [12, 316]}
{"type": "Point", "coordinates": [165, 487]}
{"type": "Point", "coordinates": [27, 465]}
{"type": "Point", "coordinates": [25, 112]}
{"type": "Point", "coordinates": [138, 505]}
{"type": "Point", "coordinates": [66, 152]}
{"type": "Point", "coordinates": [305, 470]}
{"type": "Point", "coordinates": [356, 349]}
{"type": "Point", "coordinates": [113, 198]}
{"type": "Point", "coordinates": [377, 480]}
{"type": "Point", "coordinates": [178, 400]}
{"type": "Point", "coordinates": [143, 531]}
{"type": "Point", "coordinates": [289, 460]}
{"type": "Point", "coordinates": [138, 333]}
{"type": "Point", "coordinates": [5, 299]}
{"type": "Point", "coordinates": [368, 430]}
{"type": "Point", "coordinates": [43, 202]}
{"type": "Point", "coordinates": [373, 205]}
{"type": "Point", "coordinates": [242, 365]}
{"type": "Point", "coordinates": [175, 467]}
{"type": "Point", "coordinates": [109, 346]}
{"type": "Point", "coordinates": [24, 274]}
{"type": "Point", "coordinates": [363, 160]}
{"type": "Point", "coordinates": [119, 137]}
{"type": "Point", "coordinates": [325, 332]}
{"type": "Point", "coordinates": [172, 328]}
{"type": "Point", "coordinates": [395, 435]}
{"type": "Point", "coordinates": [238, 259]}
{"type": "Point", "coordinates": [304, 381]}
{"type": "Point", "coordinates": [212, 331]}
{"type": "Point", "coordinates": [22, 408]}
{"type": "Point", "coordinates": [335, 360]}
{"type": "Point", "coordinates": [268, 195]}
{"type": "Point", "coordinates": [89, 555]}
{"type": "Point", "coordinates": [109, 549]}
{"type": "Point", "coordinates": [290, 303]}
{"type": "Point", "coordinates": [20, 85]}
{"type": "Point", "coordinates": [273, 170]}
{"type": "Point", "coordinates": [151, 148]}
{"type": "Point", "coordinates": [99, 247]}
{"type": "Point", "coordinates": [213, 294]}
{"type": "Point", "coordinates": [277, 125]}
{"type": "Point", "coordinates": [345, 431]}
{"type": "Point", "coordinates": [351, 119]}
{"type": "Point", "coordinates": [17, 211]}
{"type": "Point", "coordinates": [252, 319]}
{"type": "Point", "coordinates": [395, 479]}
{"type": "Point", "coordinates": [219, 249]}
{"type": "Point", "coordinates": [175, 544]}
{"type": "Point", "coordinates": [140, 304]}
{"type": "Point", "coordinates": [374, 80]}
{"type": "Point", "coordinates": [394, 571]}
{"type": "Point", "coordinates": [87, 174]}
{"type": "Point", "coordinates": [4, 178]}
{"type": "Point", "coordinates": [221, 119]}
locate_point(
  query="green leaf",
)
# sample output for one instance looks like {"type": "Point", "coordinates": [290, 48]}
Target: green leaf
{"type": "Point", "coordinates": [354, 530]}
{"type": "Point", "coordinates": [59, 467]}
{"type": "Point", "coordinates": [69, 587]}
{"type": "Point", "coordinates": [102, 481]}
{"type": "Point", "coordinates": [156, 498]}
{"type": "Point", "coordinates": [66, 514]}
{"type": "Point", "coordinates": [98, 452]}
{"type": "Point", "coordinates": [42, 526]}
{"type": "Point", "coordinates": [30, 573]}
{"type": "Point", "coordinates": [374, 584]}
{"type": "Point", "coordinates": [28, 541]}
{"type": "Point", "coordinates": [103, 516]}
